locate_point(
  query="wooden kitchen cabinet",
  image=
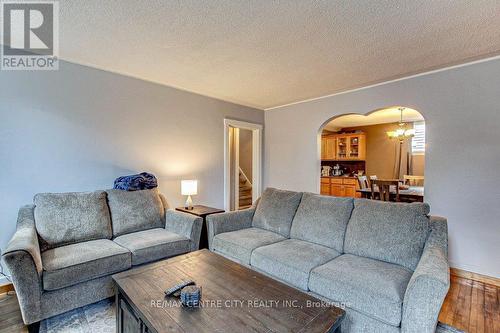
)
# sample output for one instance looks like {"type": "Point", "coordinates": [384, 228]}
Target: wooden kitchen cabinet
{"type": "Point", "coordinates": [351, 147]}
{"type": "Point", "coordinates": [328, 147]}
{"type": "Point", "coordinates": [349, 191]}
{"type": "Point", "coordinates": [343, 147]}
{"type": "Point", "coordinates": [340, 187]}
{"type": "Point", "coordinates": [325, 189]}
{"type": "Point", "coordinates": [325, 186]}
{"type": "Point", "coordinates": [337, 190]}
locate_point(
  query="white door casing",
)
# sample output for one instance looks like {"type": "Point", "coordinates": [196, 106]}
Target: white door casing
{"type": "Point", "coordinates": [256, 159]}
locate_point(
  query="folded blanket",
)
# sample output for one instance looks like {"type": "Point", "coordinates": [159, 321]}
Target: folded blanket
{"type": "Point", "coordinates": [142, 181]}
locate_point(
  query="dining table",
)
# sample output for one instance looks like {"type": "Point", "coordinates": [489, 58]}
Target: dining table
{"type": "Point", "coordinates": [412, 194]}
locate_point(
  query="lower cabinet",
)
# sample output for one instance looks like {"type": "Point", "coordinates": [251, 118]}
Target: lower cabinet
{"type": "Point", "coordinates": [337, 190]}
{"type": "Point", "coordinates": [340, 187]}
{"type": "Point", "coordinates": [325, 186]}
{"type": "Point", "coordinates": [350, 191]}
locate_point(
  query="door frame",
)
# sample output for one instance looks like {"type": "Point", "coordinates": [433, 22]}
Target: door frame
{"type": "Point", "coordinates": [236, 175]}
{"type": "Point", "coordinates": [256, 159]}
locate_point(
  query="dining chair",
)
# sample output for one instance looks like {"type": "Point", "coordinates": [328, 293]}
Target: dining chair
{"type": "Point", "coordinates": [413, 180]}
{"type": "Point", "coordinates": [363, 182]}
{"type": "Point", "coordinates": [364, 185]}
{"type": "Point", "coordinates": [384, 189]}
{"type": "Point", "coordinates": [372, 194]}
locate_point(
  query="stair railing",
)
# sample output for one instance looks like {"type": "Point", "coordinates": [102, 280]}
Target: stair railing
{"type": "Point", "coordinates": [245, 176]}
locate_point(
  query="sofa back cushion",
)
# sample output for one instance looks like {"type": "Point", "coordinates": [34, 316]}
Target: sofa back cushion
{"type": "Point", "coordinates": [275, 210]}
{"type": "Point", "coordinates": [135, 210]}
{"type": "Point", "coordinates": [66, 218]}
{"type": "Point", "coordinates": [322, 220]}
{"type": "Point", "coordinates": [388, 231]}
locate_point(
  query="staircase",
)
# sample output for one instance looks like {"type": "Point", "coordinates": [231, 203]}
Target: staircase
{"type": "Point", "coordinates": [245, 191]}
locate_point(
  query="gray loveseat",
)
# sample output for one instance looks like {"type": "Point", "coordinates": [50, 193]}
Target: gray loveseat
{"type": "Point", "coordinates": [385, 262]}
{"type": "Point", "coordinates": [67, 245]}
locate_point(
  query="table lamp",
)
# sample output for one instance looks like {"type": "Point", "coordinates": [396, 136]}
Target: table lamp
{"type": "Point", "coordinates": [189, 188]}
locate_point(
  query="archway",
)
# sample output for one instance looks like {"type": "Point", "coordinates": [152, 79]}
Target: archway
{"type": "Point", "coordinates": [383, 144]}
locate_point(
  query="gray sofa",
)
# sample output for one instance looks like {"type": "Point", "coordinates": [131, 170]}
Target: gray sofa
{"type": "Point", "coordinates": [67, 245]}
{"type": "Point", "coordinates": [386, 263]}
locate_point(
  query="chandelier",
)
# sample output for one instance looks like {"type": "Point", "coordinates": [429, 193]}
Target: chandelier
{"type": "Point", "coordinates": [401, 133]}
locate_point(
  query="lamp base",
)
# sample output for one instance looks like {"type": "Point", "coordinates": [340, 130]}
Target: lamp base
{"type": "Point", "coordinates": [189, 203]}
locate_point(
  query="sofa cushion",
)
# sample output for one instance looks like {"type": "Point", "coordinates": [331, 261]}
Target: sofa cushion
{"type": "Point", "coordinates": [322, 220]}
{"type": "Point", "coordinates": [153, 244]}
{"type": "Point", "coordinates": [238, 245]}
{"type": "Point", "coordinates": [135, 210]}
{"type": "Point", "coordinates": [372, 287]}
{"type": "Point", "coordinates": [71, 264]}
{"type": "Point", "coordinates": [291, 260]}
{"type": "Point", "coordinates": [66, 218]}
{"type": "Point", "coordinates": [388, 231]}
{"type": "Point", "coordinates": [275, 210]}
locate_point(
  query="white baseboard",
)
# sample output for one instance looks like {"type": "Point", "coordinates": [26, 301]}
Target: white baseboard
{"type": "Point", "coordinates": [474, 269]}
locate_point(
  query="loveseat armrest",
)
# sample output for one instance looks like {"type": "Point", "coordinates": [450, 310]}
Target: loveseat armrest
{"type": "Point", "coordinates": [184, 224]}
{"type": "Point", "coordinates": [230, 221]}
{"type": "Point", "coordinates": [429, 283]}
{"type": "Point", "coordinates": [23, 259]}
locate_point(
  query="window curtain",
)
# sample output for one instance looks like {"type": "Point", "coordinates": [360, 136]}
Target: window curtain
{"type": "Point", "coordinates": [403, 157]}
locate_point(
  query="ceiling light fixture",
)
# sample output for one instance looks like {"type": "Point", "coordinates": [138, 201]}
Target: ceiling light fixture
{"type": "Point", "coordinates": [401, 133]}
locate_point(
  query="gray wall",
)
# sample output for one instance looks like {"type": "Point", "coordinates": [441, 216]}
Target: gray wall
{"type": "Point", "coordinates": [461, 107]}
{"type": "Point", "coordinates": [78, 128]}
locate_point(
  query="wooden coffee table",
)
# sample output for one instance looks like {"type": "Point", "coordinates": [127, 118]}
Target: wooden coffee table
{"type": "Point", "coordinates": [234, 299]}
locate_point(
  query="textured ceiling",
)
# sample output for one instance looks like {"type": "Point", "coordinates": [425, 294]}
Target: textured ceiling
{"type": "Point", "coordinates": [265, 53]}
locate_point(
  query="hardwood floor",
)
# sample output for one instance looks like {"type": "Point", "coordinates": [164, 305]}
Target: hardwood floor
{"type": "Point", "coordinates": [10, 315]}
{"type": "Point", "coordinates": [471, 306]}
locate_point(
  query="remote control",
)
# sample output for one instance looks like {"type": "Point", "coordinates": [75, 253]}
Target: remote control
{"type": "Point", "coordinates": [170, 291]}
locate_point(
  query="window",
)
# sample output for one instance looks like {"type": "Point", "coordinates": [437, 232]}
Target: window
{"type": "Point", "coordinates": [418, 141]}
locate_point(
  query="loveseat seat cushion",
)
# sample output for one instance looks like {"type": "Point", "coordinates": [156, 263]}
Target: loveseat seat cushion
{"type": "Point", "coordinates": [238, 245]}
{"type": "Point", "coordinates": [388, 231]}
{"type": "Point", "coordinates": [322, 220]}
{"type": "Point", "coordinates": [153, 244]}
{"type": "Point", "coordinates": [291, 260]}
{"type": "Point", "coordinates": [372, 287]}
{"type": "Point", "coordinates": [71, 264]}
{"type": "Point", "coordinates": [135, 210]}
{"type": "Point", "coordinates": [66, 218]}
{"type": "Point", "coordinates": [275, 210]}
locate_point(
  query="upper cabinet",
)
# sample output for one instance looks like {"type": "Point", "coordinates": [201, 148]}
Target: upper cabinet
{"type": "Point", "coordinates": [356, 147]}
{"type": "Point", "coordinates": [328, 147]}
{"type": "Point", "coordinates": [343, 147]}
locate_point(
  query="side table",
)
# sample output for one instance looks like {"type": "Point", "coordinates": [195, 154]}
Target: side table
{"type": "Point", "coordinates": [203, 212]}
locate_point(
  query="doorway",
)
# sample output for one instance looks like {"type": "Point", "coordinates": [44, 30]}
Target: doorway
{"type": "Point", "coordinates": [385, 145]}
{"type": "Point", "coordinates": [242, 164]}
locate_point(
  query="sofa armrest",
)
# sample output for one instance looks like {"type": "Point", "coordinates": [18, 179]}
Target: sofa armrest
{"type": "Point", "coordinates": [230, 221]}
{"type": "Point", "coordinates": [23, 259]}
{"type": "Point", "coordinates": [429, 283]}
{"type": "Point", "coordinates": [184, 224]}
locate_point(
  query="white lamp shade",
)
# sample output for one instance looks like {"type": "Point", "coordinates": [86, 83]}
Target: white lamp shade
{"type": "Point", "coordinates": [189, 187]}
